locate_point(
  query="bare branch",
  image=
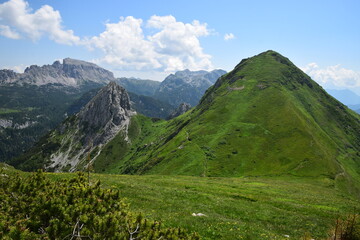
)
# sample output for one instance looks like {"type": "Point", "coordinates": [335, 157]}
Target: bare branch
{"type": "Point", "coordinates": [133, 232]}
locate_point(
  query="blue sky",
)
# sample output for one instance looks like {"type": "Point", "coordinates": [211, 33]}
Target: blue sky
{"type": "Point", "coordinates": [150, 39]}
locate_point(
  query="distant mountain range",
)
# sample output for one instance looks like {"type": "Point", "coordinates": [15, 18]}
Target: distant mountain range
{"type": "Point", "coordinates": [182, 87]}
{"type": "Point", "coordinates": [347, 97]}
{"type": "Point", "coordinates": [264, 118]}
{"type": "Point", "coordinates": [186, 86]}
{"type": "Point", "coordinates": [139, 86]}
{"type": "Point", "coordinates": [69, 73]}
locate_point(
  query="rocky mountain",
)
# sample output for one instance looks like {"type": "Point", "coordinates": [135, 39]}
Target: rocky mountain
{"type": "Point", "coordinates": [186, 86]}
{"type": "Point", "coordinates": [139, 86]}
{"type": "Point", "coordinates": [33, 102]}
{"type": "Point", "coordinates": [69, 73]}
{"type": "Point", "coordinates": [183, 108]}
{"type": "Point", "coordinates": [36, 101]}
{"type": "Point", "coordinates": [145, 105]}
{"type": "Point", "coordinates": [68, 147]}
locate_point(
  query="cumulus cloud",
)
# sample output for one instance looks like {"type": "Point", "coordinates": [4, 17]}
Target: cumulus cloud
{"type": "Point", "coordinates": [6, 31]}
{"type": "Point", "coordinates": [169, 45]}
{"type": "Point", "coordinates": [19, 68]}
{"type": "Point", "coordinates": [125, 46]}
{"type": "Point", "coordinates": [18, 20]}
{"type": "Point", "coordinates": [333, 75]}
{"type": "Point", "coordinates": [229, 36]}
{"type": "Point", "coordinates": [173, 45]}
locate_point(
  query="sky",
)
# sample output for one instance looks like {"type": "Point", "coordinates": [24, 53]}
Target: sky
{"type": "Point", "coordinates": [151, 39]}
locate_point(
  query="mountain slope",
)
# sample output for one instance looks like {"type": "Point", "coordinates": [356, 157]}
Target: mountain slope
{"type": "Point", "coordinates": [266, 117]}
{"type": "Point", "coordinates": [28, 112]}
{"type": "Point", "coordinates": [68, 147]}
{"type": "Point", "coordinates": [150, 106]}
{"type": "Point", "coordinates": [186, 86]}
{"type": "Point", "coordinates": [139, 86]}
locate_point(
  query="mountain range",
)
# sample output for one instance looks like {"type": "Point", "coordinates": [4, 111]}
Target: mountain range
{"type": "Point", "coordinates": [36, 101]}
{"type": "Point", "coordinates": [69, 73]}
{"type": "Point", "coordinates": [264, 118]}
{"type": "Point", "coordinates": [186, 86]}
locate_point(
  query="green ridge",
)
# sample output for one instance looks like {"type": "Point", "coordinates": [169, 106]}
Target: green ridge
{"type": "Point", "coordinates": [266, 117]}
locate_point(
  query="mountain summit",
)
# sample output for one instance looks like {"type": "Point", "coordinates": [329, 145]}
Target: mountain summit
{"type": "Point", "coordinates": [69, 73]}
{"type": "Point", "coordinates": [266, 117]}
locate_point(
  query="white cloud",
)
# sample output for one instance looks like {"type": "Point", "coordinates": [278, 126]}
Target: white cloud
{"type": "Point", "coordinates": [17, 20]}
{"type": "Point", "coordinates": [19, 68]}
{"type": "Point", "coordinates": [229, 36]}
{"type": "Point", "coordinates": [172, 46]}
{"type": "Point", "coordinates": [124, 45]}
{"type": "Point", "coordinates": [333, 76]}
{"type": "Point", "coordinates": [6, 31]}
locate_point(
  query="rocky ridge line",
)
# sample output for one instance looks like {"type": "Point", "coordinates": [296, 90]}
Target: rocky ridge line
{"type": "Point", "coordinates": [105, 116]}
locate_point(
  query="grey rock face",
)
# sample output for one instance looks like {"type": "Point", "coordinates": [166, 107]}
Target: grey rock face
{"type": "Point", "coordinates": [183, 108]}
{"type": "Point", "coordinates": [105, 116]}
{"type": "Point", "coordinates": [71, 73]}
{"type": "Point", "coordinates": [186, 86]}
{"type": "Point", "coordinates": [7, 76]}
{"type": "Point", "coordinates": [108, 110]}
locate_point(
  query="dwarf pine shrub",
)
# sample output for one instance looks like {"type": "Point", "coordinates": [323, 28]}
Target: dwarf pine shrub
{"type": "Point", "coordinates": [35, 207]}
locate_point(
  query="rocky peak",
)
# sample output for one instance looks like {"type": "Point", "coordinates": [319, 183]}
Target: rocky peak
{"type": "Point", "coordinates": [193, 78]}
{"type": "Point", "coordinates": [106, 115]}
{"type": "Point", "coordinates": [70, 73]}
{"type": "Point", "coordinates": [107, 111]}
{"type": "Point", "coordinates": [6, 76]}
{"type": "Point", "coordinates": [183, 108]}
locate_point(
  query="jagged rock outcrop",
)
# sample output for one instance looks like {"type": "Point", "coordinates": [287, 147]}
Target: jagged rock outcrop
{"type": "Point", "coordinates": [107, 114]}
{"type": "Point", "coordinates": [183, 108]}
{"type": "Point", "coordinates": [69, 73]}
{"type": "Point", "coordinates": [7, 76]}
{"type": "Point", "coordinates": [186, 86]}
{"type": "Point", "coordinates": [68, 147]}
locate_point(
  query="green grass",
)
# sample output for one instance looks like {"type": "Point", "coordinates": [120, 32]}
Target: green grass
{"type": "Point", "coordinates": [16, 110]}
{"type": "Point", "coordinates": [235, 208]}
{"type": "Point", "coordinates": [266, 118]}
{"type": "Point", "coordinates": [8, 110]}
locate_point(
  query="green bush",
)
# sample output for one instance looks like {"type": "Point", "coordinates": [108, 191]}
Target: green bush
{"type": "Point", "coordinates": [37, 208]}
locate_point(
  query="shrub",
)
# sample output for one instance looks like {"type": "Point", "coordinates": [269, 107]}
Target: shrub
{"type": "Point", "coordinates": [347, 229]}
{"type": "Point", "coordinates": [37, 208]}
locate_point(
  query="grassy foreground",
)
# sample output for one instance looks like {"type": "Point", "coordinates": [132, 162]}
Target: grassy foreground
{"type": "Point", "coordinates": [236, 208]}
